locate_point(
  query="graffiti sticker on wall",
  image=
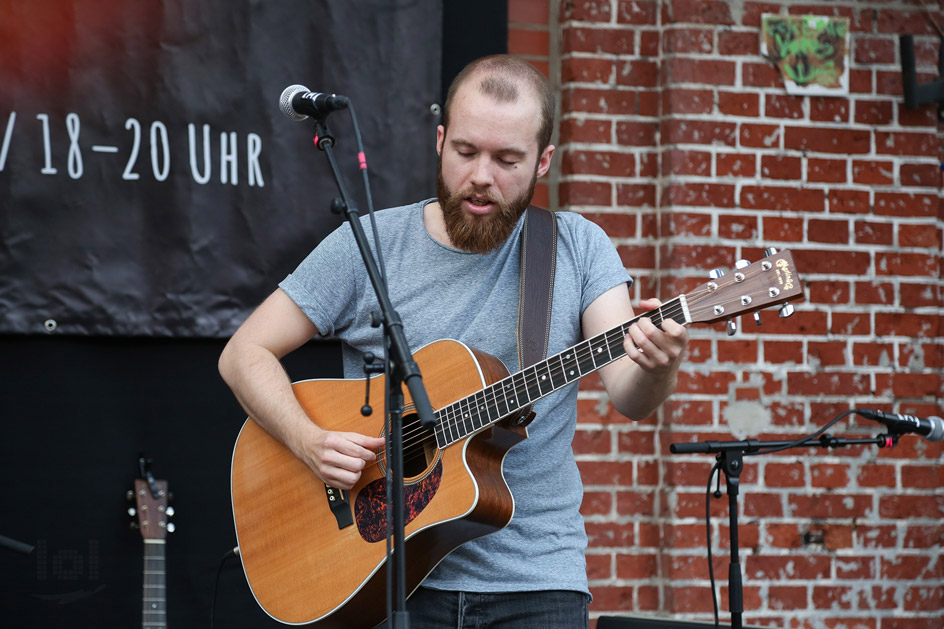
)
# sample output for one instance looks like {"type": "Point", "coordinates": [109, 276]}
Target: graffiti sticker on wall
{"type": "Point", "coordinates": [811, 52]}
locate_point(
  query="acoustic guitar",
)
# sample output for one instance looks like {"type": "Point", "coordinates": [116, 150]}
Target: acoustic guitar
{"type": "Point", "coordinates": [313, 553]}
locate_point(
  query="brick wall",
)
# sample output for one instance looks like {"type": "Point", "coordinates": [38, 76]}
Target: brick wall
{"type": "Point", "coordinates": [679, 138]}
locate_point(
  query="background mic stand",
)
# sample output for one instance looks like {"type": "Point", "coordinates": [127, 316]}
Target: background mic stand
{"type": "Point", "coordinates": [731, 461]}
{"type": "Point", "coordinates": [401, 369]}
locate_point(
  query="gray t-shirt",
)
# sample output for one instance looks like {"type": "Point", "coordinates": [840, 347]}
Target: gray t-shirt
{"type": "Point", "coordinates": [439, 293]}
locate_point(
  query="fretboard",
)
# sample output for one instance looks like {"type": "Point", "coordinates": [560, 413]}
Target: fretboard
{"type": "Point", "coordinates": [499, 400]}
{"type": "Point", "coordinates": [154, 599]}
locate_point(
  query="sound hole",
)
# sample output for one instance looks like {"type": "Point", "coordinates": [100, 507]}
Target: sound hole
{"type": "Point", "coordinates": [419, 447]}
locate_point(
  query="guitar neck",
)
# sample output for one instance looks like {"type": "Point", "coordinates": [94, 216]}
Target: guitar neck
{"type": "Point", "coordinates": [154, 598]}
{"type": "Point", "coordinates": [495, 402]}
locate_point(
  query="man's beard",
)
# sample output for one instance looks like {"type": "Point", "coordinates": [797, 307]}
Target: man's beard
{"type": "Point", "coordinates": [475, 233]}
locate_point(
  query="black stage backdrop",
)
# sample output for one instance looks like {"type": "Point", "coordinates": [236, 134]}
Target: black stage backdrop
{"type": "Point", "coordinates": [149, 184]}
{"type": "Point", "coordinates": [146, 258]}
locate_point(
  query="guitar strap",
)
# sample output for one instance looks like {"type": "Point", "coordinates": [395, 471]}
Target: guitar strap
{"type": "Point", "coordinates": [538, 259]}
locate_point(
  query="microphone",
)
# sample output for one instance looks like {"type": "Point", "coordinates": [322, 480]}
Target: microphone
{"type": "Point", "coordinates": [297, 103]}
{"type": "Point", "coordinates": [931, 428]}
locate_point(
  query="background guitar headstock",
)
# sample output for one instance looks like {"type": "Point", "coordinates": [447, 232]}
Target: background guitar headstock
{"type": "Point", "coordinates": [151, 507]}
{"type": "Point", "coordinates": [749, 288]}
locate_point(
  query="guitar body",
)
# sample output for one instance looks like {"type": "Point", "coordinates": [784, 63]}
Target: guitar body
{"type": "Point", "coordinates": [302, 562]}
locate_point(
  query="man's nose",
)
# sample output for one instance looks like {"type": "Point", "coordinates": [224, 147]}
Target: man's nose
{"type": "Point", "coordinates": [483, 171]}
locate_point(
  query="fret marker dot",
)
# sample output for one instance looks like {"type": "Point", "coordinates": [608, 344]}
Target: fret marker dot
{"type": "Point", "coordinates": [571, 372]}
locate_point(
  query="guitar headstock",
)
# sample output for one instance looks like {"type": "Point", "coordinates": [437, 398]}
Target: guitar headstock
{"type": "Point", "coordinates": [750, 287]}
{"type": "Point", "coordinates": [151, 506]}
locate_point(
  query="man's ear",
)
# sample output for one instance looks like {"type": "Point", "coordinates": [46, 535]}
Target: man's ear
{"type": "Point", "coordinates": [544, 163]}
{"type": "Point", "coordinates": [440, 138]}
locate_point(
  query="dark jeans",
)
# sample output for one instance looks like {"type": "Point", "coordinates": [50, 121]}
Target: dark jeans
{"type": "Point", "coordinates": [436, 609]}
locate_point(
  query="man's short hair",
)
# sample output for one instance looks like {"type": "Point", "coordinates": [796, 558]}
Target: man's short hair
{"type": "Point", "coordinates": [500, 76]}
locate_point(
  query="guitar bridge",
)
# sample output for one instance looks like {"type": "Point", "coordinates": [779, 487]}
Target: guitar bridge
{"type": "Point", "coordinates": [340, 506]}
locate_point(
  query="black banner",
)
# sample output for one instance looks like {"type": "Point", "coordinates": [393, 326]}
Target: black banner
{"type": "Point", "coordinates": [149, 184]}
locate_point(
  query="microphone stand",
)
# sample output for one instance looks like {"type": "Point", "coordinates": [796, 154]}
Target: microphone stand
{"type": "Point", "coordinates": [731, 461]}
{"type": "Point", "coordinates": [400, 368]}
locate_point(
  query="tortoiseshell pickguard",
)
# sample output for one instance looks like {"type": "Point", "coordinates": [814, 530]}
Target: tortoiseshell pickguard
{"type": "Point", "coordinates": [370, 507]}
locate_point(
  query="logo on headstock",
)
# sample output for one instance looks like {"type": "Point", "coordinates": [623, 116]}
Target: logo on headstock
{"type": "Point", "coordinates": [784, 274]}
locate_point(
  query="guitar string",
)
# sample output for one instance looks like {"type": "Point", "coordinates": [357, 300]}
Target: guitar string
{"type": "Point", "coordinates": [582, 360]}
{"type": "Point", "coordinates": [453, 417]}
{"type": "Point", "coordinates": [583, 351]}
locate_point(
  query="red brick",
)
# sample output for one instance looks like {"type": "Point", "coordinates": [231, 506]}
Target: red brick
{"type": "Point", "coordinates": [824, 140]}
{"type": "Point", "coordinates": [828, 292]}
{"type": "Point", "coordinates": [919, 295]}
{"type": "Point", "coordinates": [924, 536]}
{"type": "Point", "coordinates": [875, 50]}
{"type": "Point", "coordinates": [904, 22]}
{"type": "Point", "coordinates": [697, 11]}
{"type": "Point", "coordinates": [681, 162]}
{"type": "Point", "coordinates": [906, 143]}
{"type": "Point", "coordinates": [860, 81]}
{"type": "Point", "coordinates": [915, 385]}
{"type": "Point", "coordinates": [832, 597]}
{"type": "Point", "coordinates": [832, 383]}
{"type": "Point", "coordinates": [737, 43]}
{"type": "Point", "coordinates": [925, 116]}
{"type": "Point", "coordinates": [919, 236]}
{"type": "Point", "coordinates": [780, 167]}
{"type": "Point", "coordinates": [639, 12]}
{"type": "Point", "coordinates": [636, 133]}
{"type": "Point", "coordinates": [782, 229]}
{"type": "Point", "coordinates": [873, 112]}
{"type": "Point", "coordinates": [592, 441]}
{"type": "Point", "coordinates": [688, 41]}
{"type": "Point", "coordinates": [906, 204]}
{"type": "Point", "coordinates": [695, 70]}
{"type": "Point", "coordinates": [638, 73]}
{"type": "Point", "coordinates": [700, 194]}
{"type": "Point", "coordinates": [875, 173]}
{"type": "Point", "coordinates": [906, 264]}
{"type": "Point", "coordinates": [587, 70]}
{"type": "Point", "coordinates": [585, 193]}
{"type": "Point", "coordinates": [849, 202]}
{"type": "Point", "coordinates": [926, 175]}
{"type": "Point", "coordinates": [607, 164]}
{"type": "Point", "coordinates": [775, 198]}
{"type": "Point", "coordinates": [612, 598]}
{"type": "Point", "coordinates": [828, 231]}
{"type": "Point", "coordinates": [735, 165]}
{"type": "Point", "coordinates": [783, 475]}
{"type": "Point", "coordinates": [778, 568]}
{"type": "Point", "coordinates": [834, 110]}
{"type": "Point", "coordinates": [907, 324]}
{"type": "Point", "coordinates": [921, 477]}
{"type": "Point", "coordinates": [760, 136]}
{"type": "Point", "coordinates": [760, 75]}
{"type": "Point", "coordinates": [783, 106]}
{"type": "Point", "coordinates": [680, 223]}
{"type": "Point", "coordinates": [586, 11]}
{"type": "Point", "coordinates": [636, 442]}
{"type": "Point", "coordinates": [586, 130]}
{"type": "Point", "coordinates": [856, 567]}
{"type": "Point", "coordinates": [846, 505]}
{"type": "Point", "coordinates": [739, 103]}
{"type": "Point", "coordinates": [613, 41]}
{"type": "Point", "coordinates": [850, 323]}
{"type": "Point", "coordinates": [528, 42]}
{"type": "Point", "coordinates": [529, 11]}
{"type": "Point", "coordinates": [599, 566]}
{"type": "Point", "coordinates": [687, 101]}
{"type": "Point", "coordinates": [872, 354]}
{"type": "Point", "coordinates": [738, 226]}
{"type": "Point", "coordinates": [636, 195]}
{"type": "Point", "coordinates": [698, 132]}
{"type": "Point", "coordinates": [616, 225]}
{"type": "Point", "coordinates": [827, 353]}
{"type": "Point", "coordinates": [601, 101]}
{"type": "Point", "coordinates": [829, 476]}
{"type": "Point", "coordinates": [910, 567]}
{"type": "Point", "coordinates": [635, 566]}
{"type": "Point", "coordinates": [826, 170]}
{"type": "Point", "coordinates": [783, 597]}
{"type": "Point", "coordinates": [872, 233]}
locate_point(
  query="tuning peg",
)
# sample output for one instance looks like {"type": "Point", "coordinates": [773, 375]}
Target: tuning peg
{"type": "Point", "coordinates": [740, 264]}
{"type": "Point", "coordinates": [715, 273]}
{"type": "Point", "coordinates": [170, 511]}
{"type": "Point", "coordinates": [133, 526]}
{"type": "Point", "coordinates": [786, 310]}
{"type": "Point", "coordinates": [171, 528]}
{"type": "Point", "coordinates": [132, 511]}
{"type": "Point", "coordinates": [757, 317]}
{"type": "Point", "coordinates": [732, 327]}
{"type": "Point", "coordinates": [770, 251]}
{"type": "Point", "coordinates": [129, 495]}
